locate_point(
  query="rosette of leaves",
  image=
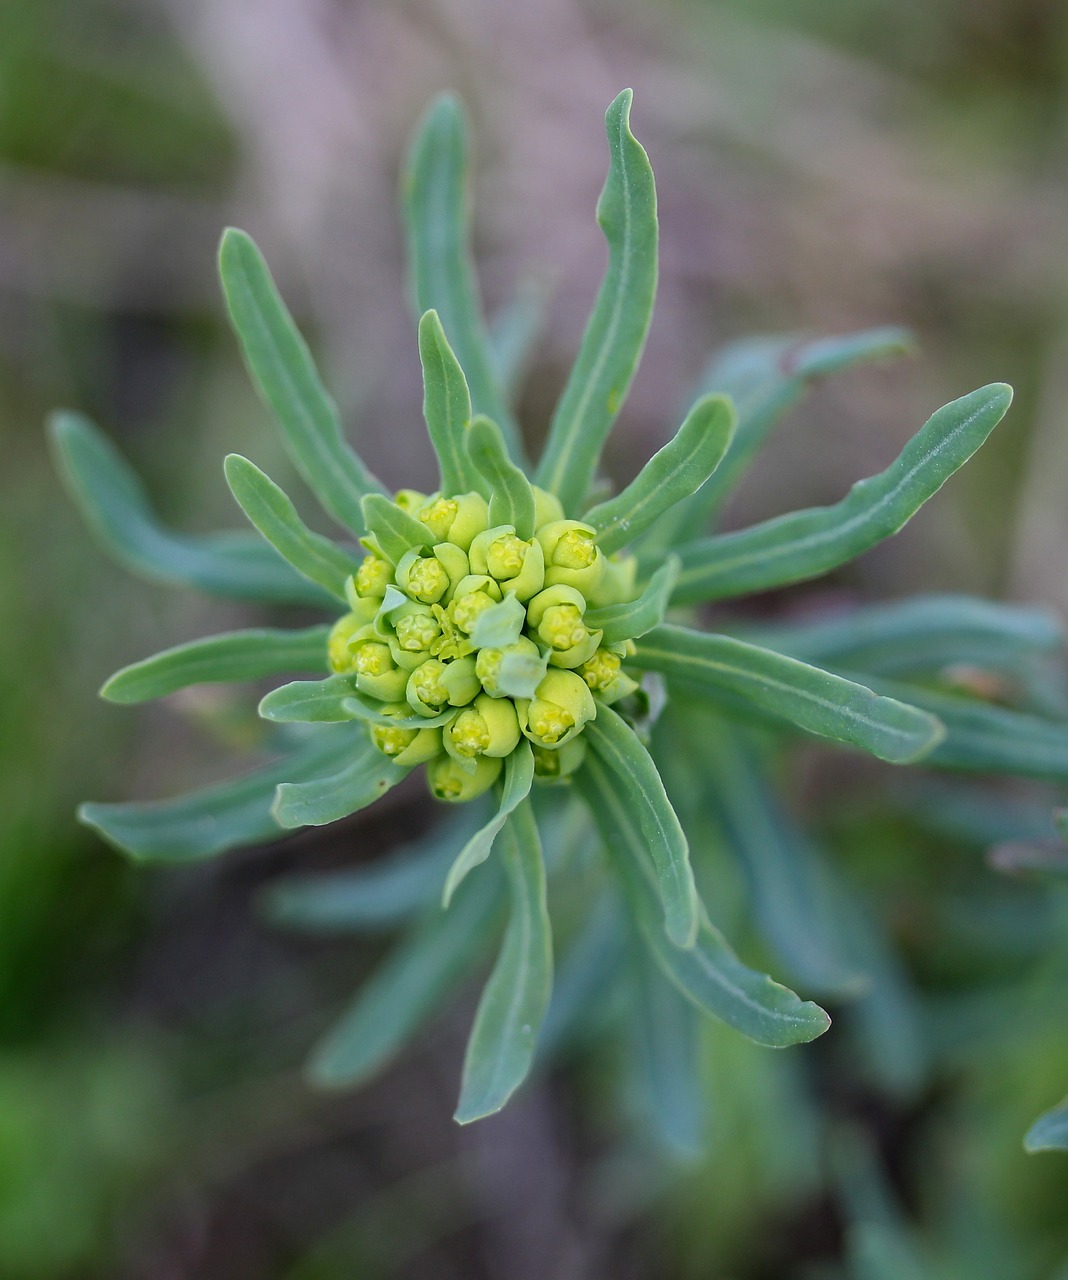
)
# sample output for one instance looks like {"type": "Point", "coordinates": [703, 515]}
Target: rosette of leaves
{"type": "Point", "coordinates": [510, 629]}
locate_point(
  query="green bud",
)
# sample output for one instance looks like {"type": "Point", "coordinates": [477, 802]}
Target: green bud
{"type": "Point", "coordinates": [409, 500]}
{"type": "Point", "coordinates": [488, 727]}
{"type": "Point", "coordinates": [547, 507]}
{"type": "Point", "coordinates": [569, 640]}
{"type": "Point", "coordinates": [461, 681]}
{"type": "Point", "coordinates": [560, 708]}
{"type": "Point", "coordinates": [451, 781]}
{"type": "Point", "coordinates": [369, 582]}
{"type": "Point", "coordinates": [456, 520]}
{"type": "Point", "coordinates": [557, 766]}
{"type": "Point", "coordinates": [572, 557]}
{"type": "Point", "coordinates": [490, 665]}
{"type": "Point", "coordinates": [516, 565]}
{"type": "Point", "coordinates": [338, 654]}
{"type": "Point", "coordinates": [430, 579]}
{"type": "Point", "coordinates": [465, 609]}
{"type": "Point", "coordinates": [425, 691]}
{"type": "Point", "coordinates": [417, 634]}
{"type": "Point", "coordinates": [406, 747]}
{"type": "Point", "coordinates": [377, 674]}
{"type": "Point", "coordinates": [618, 584]}
{"type": "Point", "coordinates": [604, 675]}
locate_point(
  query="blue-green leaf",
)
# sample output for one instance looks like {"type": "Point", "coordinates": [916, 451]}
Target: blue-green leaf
{"type": "Point", "coordinates": [235, 655]}
{"type": "Point", "coordinates": [274, 515]}
{"type": "Point", "coordinates": [214, 819]}
{"type": "Point", "coordinates": [814, 700]}
{"type": "Point", "coordinates": [709, 972]}
{"type": "Point", "coordinates": [116, 508]}
{"type": "Point", "coordinates": [285, 376]}
{"type": "Point", "coordinates": [363, 709]}
{"type": "Point", "coordinates": [310, 701]}
{"type": "Point", "coordinates": [584, 979]}
{"type": "Point", "coordinates": [673, 473]}
{"type": "Point", "coordinates": [518, 779]}
{"type": "Point", "coordinates": [367, 776]}
{"type": "Point", "coordinates": [409, 986]}
{"type": "Point", "coordinates": [805, 544]}
{"type": "Point", "coordinates": [651, 821]}
{"type": "Point", "coordinates": [1050, 1131]}
{"type": "Point", "coordinates": [446, 408]}
{"type": "Point", "coordinates": [634, 618]}
{"type": "Point", "coordinates": [500, 1050]}
{"type": "Point", "coordinates": [395, 531]}
{"type": "Point", "coordinates": [438, 230]}
{"type": "Point", "coordinates": [374, 895]}
{"type": "Point", "coordinates": [615, 335]}
{"type": "Point", "coordinates": [764, 377]}
{"type": "Point", "coordinates": [500, 625]}
{"type": "Point", "coordinates": [511, 499]}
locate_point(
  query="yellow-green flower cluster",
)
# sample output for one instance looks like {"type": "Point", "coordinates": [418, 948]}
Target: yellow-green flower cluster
{"type": "Point", "coordinates": [485, 636]}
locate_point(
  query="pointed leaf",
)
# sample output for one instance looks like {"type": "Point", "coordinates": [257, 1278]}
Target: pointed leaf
{"type": "Point", "coordinates": [116, 508]}
{"type": "Point", "coordinates": [500, 1050]}
{"type": "Point", "coordinates": [673, 473]}
{"type": "Point", "coordinates": [235, 655]}
{"type": "Point", "coordinates": [310, 701]}
{"type": "Point", "coordinates": [1050, 1131]}
{"type": "Point", "coordinates": [446, 408]}
{"type": "Point", "coordinates": [408, 987]}
{"type": "Point", "coordinates": [362, 709]}
{"type": "Point", "coordinates": [284, 373]}
{"type": "Point", "coordinates": [764, 377]}
{"type": "Point", "coordinates": [615, 335]}
{"type": "Point", "coordinates": [709, 972]}
{"type": "Point", "coordinates": [270, 510]}
{"type": "Point", "coordinates": [394, 529]}
{"type": "Point", "coordinates": [367, 777]}
{"type": "Point", "coordinates": [636, 617]}
{"type": "Point", "coordinates": [511, 497]}
{"type": "Point", "coordinates": [805, 544]}
{"type": "Point", "coordinates": [500, 625]}
{"type": "Point", "coordinates": [651, 820]}
{"type": "Point", "coordinates": [214, 819]}
{"type": "Point", "coordinates": [439, 256]}
{"type": "Point", "coordinates": [814, 700]}
{"type": "Point", "coordinates": [518, 779]}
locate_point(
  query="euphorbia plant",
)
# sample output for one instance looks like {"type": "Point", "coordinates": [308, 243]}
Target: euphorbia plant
{"type": "Point", "coordinates": [508, 634]}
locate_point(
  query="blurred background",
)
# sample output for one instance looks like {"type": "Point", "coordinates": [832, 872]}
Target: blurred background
{"type": "Point", "coordinates": [821, 167]}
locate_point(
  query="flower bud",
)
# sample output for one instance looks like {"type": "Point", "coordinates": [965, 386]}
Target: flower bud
{"type": "Point", "coordinates": [370, 580]}
{"type": "Point", "coordinates": [409, 500]}
{"type": "Point", "coordinates": [338, 654]}
{"type": "Point", "coordinates": [547, 507]}
{"type": "Point", "coordinates": [488, 727]}
{"type": "Point", "coordinates": [618, 584]}
{"type": "Point", "coordinates": [417, 634]}
{"type": "Point", "coordinates": [456, 520]}
{"type": "Point", "coordinates": [430, 579]}
{"type": "Point", "coordinates": [467, 605]}
{"type": "Point", "coordinates": [450, 780]}
{"type": "Point", "coordinates": [526, 663]}
{"type": "Point", "coordinates": [435, 684]}
{"type": "Point", "coordinates": [562, 705]}
{"type": "Point", "coordinates": [406, 747]}
{"type": "Point", "coordinates": [604, 675]}
{"type": "Point", "coordinates": [558, 765]}
{"type": "Point", "coordinates": [572, 557]}
{"type": "Point", "coordinates": [516, 565]}
{"type": "Point", "coordinates": [377, 674]}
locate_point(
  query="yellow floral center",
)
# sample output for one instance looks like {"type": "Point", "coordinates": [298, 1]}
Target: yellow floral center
{"type": "Point", "coordinates": [601, 670]}
{"type": "Point", "coordinates": [548, 722]}
{"type": "Point", "coordinates": [562, 626]}
{"type": "Point", "coordinates": [426, 682]}
{"type": "Point", "coordinates": [391, 740]}
{"type": "Point", "coordinates": [504, 559]}
{"type": "Point", "coordinates": [438, 517]}
{"type": "Point", "coordinates": [372, 659]}
{"type": "Point", "coordinates": [469, 733]}
{"type": "Point", "coordinates": [373, 576]}
{"type": "Point", "coordinates": [427, 580]}
{"type": "Point", "coordinates": [575, 550]}
{"type": "Point", "coordinates": [417, 632]}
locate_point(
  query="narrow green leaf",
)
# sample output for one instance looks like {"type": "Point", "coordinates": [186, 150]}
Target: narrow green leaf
{"type": "Point", "coordinates": [437, 222]}
{"type": "Point", "coordinates": [274, 515]}
{"type": "Point", "coordinates": [361, 709]}
{"type": "Point", "coordinates": [634, 618]}
{"type": "Point", "coordinates": [367, 777]}
{"type": "Point", "coordinates": [805, 544]}
{"type": "Point", "coordinates": [665, 1038]}
{"type": "Point", "coordinates": [310, 701]}
{"type": "Point", "coordinates": [615, 335]}
{"type": "Point", "coordinates": [375, 895]}
{"type": "Point", "coordinates": [764, 377]}
{"type": "Point", "coordinates": [1050, 1131]}
{"type": "Point", "coordinates": [651, 820]}
{"type": "Point", "coordinates": [988, 739]}
{"type": "Point", "coordinates": [709, 972]}
{"type": "Point", "coordinates": [284, 373]}
{"type": "Point", "coordinates": [115, 506]}
{"type": "Point", "coordinates": [518, 779]}
{"type": "Point", "coordinates": [511, 499]}
{"type": "Point", "coordinates": [923, 633]}
{"type": "Point", "coordinates": [394, 529]}
{"type": "Point", "coordinates": [214, 819]}
{"type": "Point", "coordinates": [585, 978]}
{"type": "Point", "coordinates": [673, 473]}
{"type": "Point", "coordinates": [500, 1050]}
{"type": "Point", "coordinates": [235, 655]}
{"type": "Point", "coordinates": [790, 891]}
{"type": "Point", "coordinates": [814, 700]}
{"type": "Point", "coordinates": [446, 408]}
{"type": "Point", "coordinates": [409, 986]}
